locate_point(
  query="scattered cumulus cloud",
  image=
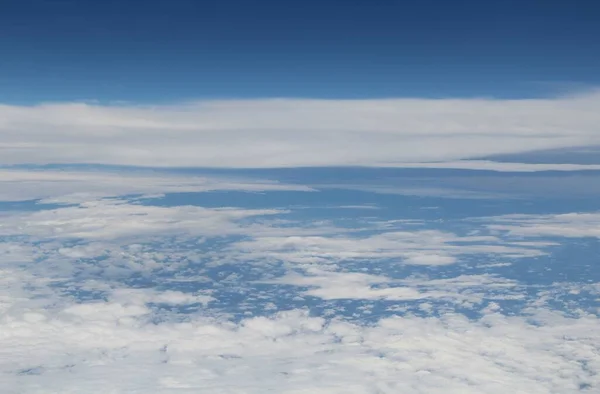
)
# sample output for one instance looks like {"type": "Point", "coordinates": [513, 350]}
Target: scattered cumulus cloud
{"type": "Point", "coordinates": [88, 301]}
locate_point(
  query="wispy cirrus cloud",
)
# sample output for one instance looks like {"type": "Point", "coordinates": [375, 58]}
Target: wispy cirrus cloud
{"type": "Point", "coordinates": [572, 225]}
{"type": "Point", "coordinates": [72, 186]}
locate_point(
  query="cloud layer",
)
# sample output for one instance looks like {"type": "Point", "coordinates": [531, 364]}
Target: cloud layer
{"type": "Point", "coordinates": [108, 347]}
{"type": "Point", "coordinates": [294, 132]}
{"type": "Point", "coordinates": [104, 292]}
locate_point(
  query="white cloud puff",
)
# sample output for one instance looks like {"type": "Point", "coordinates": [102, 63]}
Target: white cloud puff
{"type": "Point", "coordinates": [294, 132]}
{"type": "Point", "coordinates": [330, 285]}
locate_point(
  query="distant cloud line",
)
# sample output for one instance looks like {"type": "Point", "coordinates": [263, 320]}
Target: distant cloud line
{"type": "Point", "coordinates": [266, 133]}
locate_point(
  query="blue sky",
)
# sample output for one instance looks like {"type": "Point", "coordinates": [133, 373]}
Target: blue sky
{"type": "Point", "coordinates": [159, 51]}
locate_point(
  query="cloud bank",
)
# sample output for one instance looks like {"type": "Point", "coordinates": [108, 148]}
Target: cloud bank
{"type": "Point", "coordinates": [294, 132]}
{"type": "Point", "coordinates": [108, 347]}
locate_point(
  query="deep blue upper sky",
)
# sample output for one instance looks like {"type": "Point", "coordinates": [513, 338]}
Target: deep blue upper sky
{"type": "Point", "coordinates": [161, 51]}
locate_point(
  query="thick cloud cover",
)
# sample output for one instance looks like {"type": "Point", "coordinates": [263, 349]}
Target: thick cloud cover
{"type": "Point", "coordinates": [294, 132]}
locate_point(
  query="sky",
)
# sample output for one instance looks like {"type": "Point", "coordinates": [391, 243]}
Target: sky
{"type": "Point", "coordinates": [336, 197]}
{"type": "Point", "coordinates": [163, 52]}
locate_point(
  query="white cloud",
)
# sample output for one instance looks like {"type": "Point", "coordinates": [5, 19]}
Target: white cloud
{"type": "Point", "coordinates": [573, 225]}
{"type": "Point", "coordinates": [294, 132]}
{"type": "Point", "coordinates": [110, 347]}
{"type": "Point", "coordinates": [117, 219]}
{"type": "Point", "coordinates": [169, 297]}
{"type": "Point", "coordinates": [348, 285]}
{"type": "Point", "coordinates": [54, 186]}
{"type": "Point", "coordinates": [500, 166]}
{"type": "Point", "coordinates": [417, 247]}
{"type": "Point", "coordinates": [408, 190]}
{"type": "Point", "coordinates": [365, 206]}
{"type": "Point", "coordinates": [330, 285]}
